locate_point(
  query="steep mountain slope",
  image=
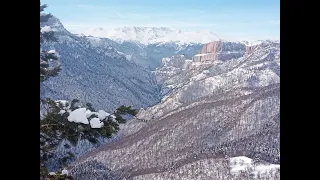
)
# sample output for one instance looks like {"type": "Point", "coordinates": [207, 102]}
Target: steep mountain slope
{"type": "Point", "coordinates": [97, 74]}
{"type": "Point", "coordinates": [147, 56]}
{"type": "Point", "coordinates": [223, 107]}
{"type": "Point", "coordinates": [158, 51]}
{"type": "Point", "coordinates": [134, 52]}
{"type": "Point", "coordinates": [146, 46]}
{"type": "Point", "coordinates": [171, 66]}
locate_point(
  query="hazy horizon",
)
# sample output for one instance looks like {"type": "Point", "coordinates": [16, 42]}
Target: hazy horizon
{"type": "Point", "coordinates": [231, 19]}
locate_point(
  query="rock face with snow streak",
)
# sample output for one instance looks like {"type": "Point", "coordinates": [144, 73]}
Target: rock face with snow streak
{"type": "Point", "coordinates": [231, 108]}
{"type": "Point", "coordinates": [217, 50]}
{"type": "Point", "coordinates": [221, 50]}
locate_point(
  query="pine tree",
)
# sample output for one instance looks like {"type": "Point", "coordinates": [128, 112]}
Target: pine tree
{"type": "Point", "coordinates": [57, 123]}
{"type": "Point", "coordinates": [47, 68]}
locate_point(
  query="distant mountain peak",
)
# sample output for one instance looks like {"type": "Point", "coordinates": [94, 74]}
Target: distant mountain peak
{"type": "Point", "coordinates": [152, 35]}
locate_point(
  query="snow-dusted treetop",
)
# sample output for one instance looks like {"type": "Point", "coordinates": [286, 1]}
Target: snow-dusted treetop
{"type": "Point", "coordinates": [78, 116]}
{"type": "Point", "coordinates": [82, 115]}
{"type": "Point", "coordinates": [151, 35]}
{"type": "Point", "coordinates": [64, 172]}
{"type": "Point", "coordinates": [96, 123]}
{"type": "Point", "coordinates": [46, 29]}
{"type": "Point", "coordinates": [52, 52]}
{"type": "Point", "coordinates": [52, 173]}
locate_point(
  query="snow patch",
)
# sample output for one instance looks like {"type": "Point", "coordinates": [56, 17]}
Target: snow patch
{"type": "Point", "coordinates": [46, 29]}
{"type": "Point", "coordinates": [89, 113]}
{"type": "Point", "coordinates": [96, 123]}
{"type": "Point", "coordinates": [128, 57]}
{"type": "Point", "coordinates": [264, 168]}
{"type": "Point", "coordinates": [121, 53]}
{"type": "Point", "coordinates": [198, 77]}
{"type": "Point", "coordinates": [78, 116]}
{"type": "Point", "coordinates": [203, 54]}
{"type": "Point", "coordinates": [102, 114]}
{"type": "Point", "coordinates": [62, 111]}
{"type": "Point", "coordinates": [241, 163]}
{"type": "Point", "coordinates": [52, 52]}
{"type": "Point", "coordinates": [52, 173]}
{"type": "Point", "coordinates": [62, 102]}
{"type": "Point", "coordinates": [64, 172]}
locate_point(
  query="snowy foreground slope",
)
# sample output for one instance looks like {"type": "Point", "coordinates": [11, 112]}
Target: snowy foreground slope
{"type": "Point", "coordinates": [214, 120]}
{"type": "Point", "coordinates": [99, 75]}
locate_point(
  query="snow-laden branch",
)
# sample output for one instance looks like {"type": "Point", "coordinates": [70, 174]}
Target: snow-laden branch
{"type": "Point", "coordinates": [84, 115]}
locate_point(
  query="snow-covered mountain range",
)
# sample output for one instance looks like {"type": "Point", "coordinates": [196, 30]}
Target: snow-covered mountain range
{"type": "Point", "coordinates": [153, 35]}
{"type": "Point", "coordinates": [206, 102]}
{"type": "Point", "coordinates": [147, 56]}
{"type": "Point", "coordinates": [227, 105]}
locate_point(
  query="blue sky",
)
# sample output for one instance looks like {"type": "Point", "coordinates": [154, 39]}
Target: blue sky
{"type": "Point", "coordinates": [249, 19]}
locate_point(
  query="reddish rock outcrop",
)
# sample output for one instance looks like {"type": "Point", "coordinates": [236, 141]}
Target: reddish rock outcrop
{"type": "Point", "coordinates": [249, 50]}
{"type": "Point", "coordinates": [220, 50]}
{"type": "Point", "coordinates": [208, 52]}
{"type": "Point", "coordinates": [211, 47]}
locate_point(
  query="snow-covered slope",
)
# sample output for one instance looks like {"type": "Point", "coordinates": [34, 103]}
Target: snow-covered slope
{"type": "Point", "coordinates": [215, 168]}
{"type": "Point", "coordinates": [146, 46]}
{"type": "Point", "coordinates": [257, 69]}
{"type": "Point", "coordinates": [228, 109]}
{"type": "Point", "coordinates": [208, 53]}
{"type": "Point", "coordinates": [158, 51]}
{"type": "Point", "coordinates": [97, 74]}
{"type": "Point", "coordinates": [147, 56]}
{"type": "Point", "coordinates": [152, 35]}
{"type": "Point", "coordinates": [171, 66]}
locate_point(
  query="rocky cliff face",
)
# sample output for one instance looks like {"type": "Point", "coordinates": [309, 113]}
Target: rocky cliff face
{"type": "Point", "coordinates": [221, 50]}
{"type": "Point", "coordinates": [210, 52]}
{"type": "Point", "coordinates": [229, 109]}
